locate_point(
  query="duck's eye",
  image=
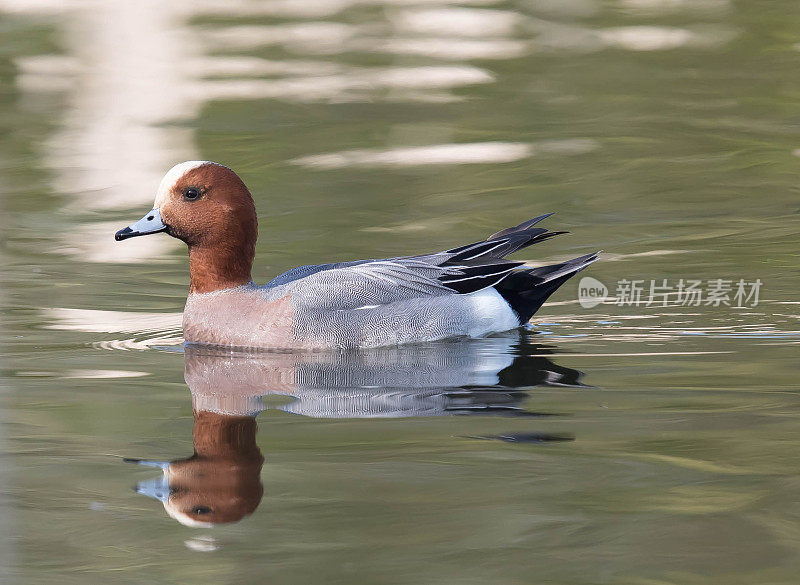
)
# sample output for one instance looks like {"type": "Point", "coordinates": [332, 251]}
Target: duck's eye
{"type": "Point", "coordinates": [199, 510]}
{"type": "Point", "coordinates": [192, 193]}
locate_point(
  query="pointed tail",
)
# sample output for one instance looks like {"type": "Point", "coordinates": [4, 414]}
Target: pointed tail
{"type": "Point", "coordinates": [526, 290]}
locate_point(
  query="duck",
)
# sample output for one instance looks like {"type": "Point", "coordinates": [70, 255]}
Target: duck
{"type": "Point", "coordinates": [469, 291]}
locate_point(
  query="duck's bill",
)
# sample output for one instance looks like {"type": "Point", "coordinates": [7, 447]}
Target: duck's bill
{"type": "Point", "coordinates": [149, 224]}
{"type": "Point", "coordinates": [156, 488]}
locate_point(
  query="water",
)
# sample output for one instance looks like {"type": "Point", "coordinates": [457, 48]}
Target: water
{"type": "Point", "coordinates": [615, 444]}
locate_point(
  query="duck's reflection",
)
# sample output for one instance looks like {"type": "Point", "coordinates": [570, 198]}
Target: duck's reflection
{"type": "Point", "coordinates": [220, 482]}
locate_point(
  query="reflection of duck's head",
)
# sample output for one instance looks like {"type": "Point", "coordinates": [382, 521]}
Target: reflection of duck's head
{"type": "Point", "coordinates": [220, 482]}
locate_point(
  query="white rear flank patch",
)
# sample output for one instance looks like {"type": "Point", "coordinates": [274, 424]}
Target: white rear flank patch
{"type": "Point", "coordinates": [490, 313]}
{"type": "Point", "coordinates": [173, 176]}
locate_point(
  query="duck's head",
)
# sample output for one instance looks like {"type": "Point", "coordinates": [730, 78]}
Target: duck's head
{"type": "Point", "coordinates": [206, 205]}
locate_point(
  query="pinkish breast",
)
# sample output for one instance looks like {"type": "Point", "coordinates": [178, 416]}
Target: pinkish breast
{"type": "Point", "coordinates": [239, 317]}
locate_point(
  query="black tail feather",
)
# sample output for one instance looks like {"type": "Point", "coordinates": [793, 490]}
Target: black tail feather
{"type": "Point", "coordinates": [524, 226]}
{"type": "Point", "coordinates": [481, 265]}
{"type": "Point", "coordinates": [526, 290]}
{"type": "Point", "coordinates": [504, 242]}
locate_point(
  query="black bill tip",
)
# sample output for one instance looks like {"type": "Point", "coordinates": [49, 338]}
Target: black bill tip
{"type": "Point", "coordinates": [124, 234]}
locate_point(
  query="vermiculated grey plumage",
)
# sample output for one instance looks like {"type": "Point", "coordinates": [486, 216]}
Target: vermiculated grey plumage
{"type": "Point", "coordinates": [470, 290]}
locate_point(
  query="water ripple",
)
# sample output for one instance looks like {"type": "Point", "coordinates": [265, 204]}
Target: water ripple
{"type": "Point", "coordinates": [149, 329]}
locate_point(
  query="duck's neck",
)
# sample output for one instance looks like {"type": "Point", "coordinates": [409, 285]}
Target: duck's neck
{"type": "Point", "coordinates": [224, 436]}
{"type": "Point", "coordinates": [218, 267]}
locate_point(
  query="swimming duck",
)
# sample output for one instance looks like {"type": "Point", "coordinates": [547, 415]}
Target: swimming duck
{"type": "Point", "coordinates": [469, 290]}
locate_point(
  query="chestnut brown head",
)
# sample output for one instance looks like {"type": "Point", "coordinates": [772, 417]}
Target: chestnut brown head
{"type": "Point", "coordinates": [206, 205]}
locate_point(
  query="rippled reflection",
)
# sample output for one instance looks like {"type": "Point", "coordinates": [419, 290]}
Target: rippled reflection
{"type": "Point", "coordinates": [220, 482]}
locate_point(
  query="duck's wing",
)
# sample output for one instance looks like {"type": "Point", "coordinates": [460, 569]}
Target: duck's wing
{"type": "Point", "coordinates": [379, 282]}
{"type": "Point", "coordinates": [304, 271]}
{"type": "Point", "coordinates": [461, 270]}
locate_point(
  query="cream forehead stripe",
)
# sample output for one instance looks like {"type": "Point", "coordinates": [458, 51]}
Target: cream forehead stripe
{"type": "Point", "coordinates": [183, 517]}
{"type": "Point", "coordinates": [173, 176]}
